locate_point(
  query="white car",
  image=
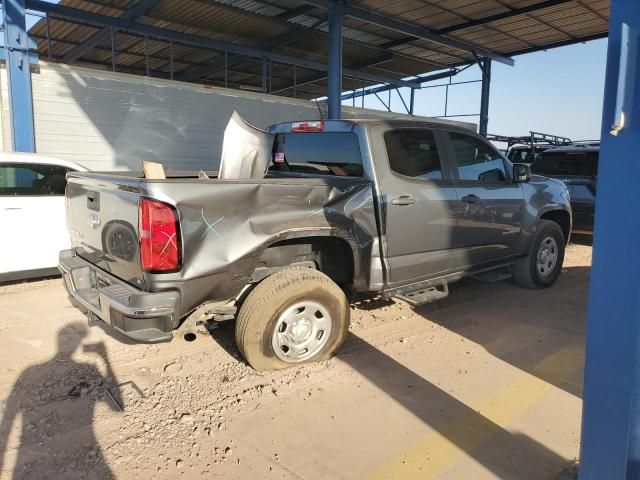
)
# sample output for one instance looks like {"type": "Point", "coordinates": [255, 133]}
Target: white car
{"type": "Point", "coordinates": [33, 227]}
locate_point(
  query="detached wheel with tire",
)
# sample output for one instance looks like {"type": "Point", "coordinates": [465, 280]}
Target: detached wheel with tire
{"type": "Point", "coordinates": [542, 266]}
{"type": "Point", "coordinates": [296, 315]}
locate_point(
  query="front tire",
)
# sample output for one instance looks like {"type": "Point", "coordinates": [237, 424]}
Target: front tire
{"type": "Point", "coordinates": [297, 315]}
{"type": "Point", "coordinates": [542, 266]}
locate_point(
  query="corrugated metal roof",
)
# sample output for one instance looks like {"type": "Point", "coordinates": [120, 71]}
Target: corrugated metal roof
{"type": "Point", "coordinates": [368, 47]}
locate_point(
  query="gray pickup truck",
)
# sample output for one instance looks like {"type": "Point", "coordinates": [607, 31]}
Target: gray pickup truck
{"type": "Point", "coordinates": [298, 221]}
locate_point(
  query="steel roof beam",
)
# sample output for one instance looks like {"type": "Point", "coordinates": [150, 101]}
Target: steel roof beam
{"type": "Point", "coordinates": [138, 10]}
{"type": "Point", "coordinates": [563, 43]}
{"type": "Point", "coordinates": [354, 66]}
{"type": "Point", "coordinates": [413, 30]}
{"type": "Point", "coordinates": [270, 44]}
{"type": "Point", "coordinates": [295, 12]}
{"type": "Point", "coordinates": [483, 21]}
{"type": "Point", "coordinates": [197, 40]}
{"type": "Point", "coordinates": [384, 88]}
{"type": "Point", "coordinates": [281, 19]}
{"type": "Point", "coordinates": [503, 15]}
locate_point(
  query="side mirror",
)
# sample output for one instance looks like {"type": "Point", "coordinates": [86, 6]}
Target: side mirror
{"type": "Point", "coordinates": [521, 173]}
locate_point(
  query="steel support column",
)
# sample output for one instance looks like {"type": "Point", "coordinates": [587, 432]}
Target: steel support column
{"type": "Point", "coordinates": [334, 77]}
{"type": "Point", "coordinates": [264, 75]}
{"type": "Point", "coordinates": [610, 445]}
{"type": "Point", "coordinates": [412, 101]}
{"type": "Point", "coordinates": [17, 53]}
{"type": "Point", "coordinates": [485, 65]}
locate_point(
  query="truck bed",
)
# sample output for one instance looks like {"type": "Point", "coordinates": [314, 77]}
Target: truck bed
{"type": "Point", "coordinates": [224, 225]}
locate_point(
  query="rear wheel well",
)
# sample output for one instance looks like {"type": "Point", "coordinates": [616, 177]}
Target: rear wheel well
{"type": "Point", "coordinates": [562, 218]}
{"type": "Point", "coordinates": [332, 256]}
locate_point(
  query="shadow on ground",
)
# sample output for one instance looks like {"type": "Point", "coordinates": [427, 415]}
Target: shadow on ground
{"type": "Point", "coordinates": [582, 239]}
{"type": "Point", "coordinates": [506, 454]}
{"type": "Point", "coordinates": [525, 337]}
{"type": "Point", "coordinates": [56, 400]}
{"type": "Point", "coordinates": [522, 337]}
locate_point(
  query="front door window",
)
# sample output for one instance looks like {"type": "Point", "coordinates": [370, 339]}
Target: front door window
{"type": "Point", "coordinates": [476, 160]}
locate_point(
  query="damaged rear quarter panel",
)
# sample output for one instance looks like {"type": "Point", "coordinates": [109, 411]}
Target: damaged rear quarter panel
{"type": "Point", "coordinates": [226, 225]}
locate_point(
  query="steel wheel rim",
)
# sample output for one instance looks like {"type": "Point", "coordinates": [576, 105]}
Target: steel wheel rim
{"type": "Point", "coordinates": [301, 331]}
{"type": "Point", "coordinates": [547, 257]}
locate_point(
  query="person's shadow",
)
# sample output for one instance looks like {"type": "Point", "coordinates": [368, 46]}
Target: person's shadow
{"type": "Point", "coordinates": [56, 401]}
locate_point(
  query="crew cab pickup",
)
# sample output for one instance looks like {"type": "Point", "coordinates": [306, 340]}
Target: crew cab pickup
{"type": "Point", "coordinates": [298, 221]}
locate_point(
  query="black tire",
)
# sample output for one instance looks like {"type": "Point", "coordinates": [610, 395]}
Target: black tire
{"type": "Point", "coordinates": [526, 272]}
{"type": "Point", "coordinates": [260, 311]}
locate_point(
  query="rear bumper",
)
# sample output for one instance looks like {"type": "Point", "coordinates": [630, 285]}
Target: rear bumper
{"type": "Point", "coordinates": [141, 316]}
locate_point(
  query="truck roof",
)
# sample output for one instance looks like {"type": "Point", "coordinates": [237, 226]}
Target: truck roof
{"type": "Point", "coordinates": [574, 149]}
{"type": "Point", "coordinates": [348, 124]}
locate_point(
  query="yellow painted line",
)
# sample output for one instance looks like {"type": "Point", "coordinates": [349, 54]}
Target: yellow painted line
{"type": "Point", "coordinates": [440, 450]}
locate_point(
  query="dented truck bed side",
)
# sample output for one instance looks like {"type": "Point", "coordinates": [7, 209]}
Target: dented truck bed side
{"type": "Point", "coordinates": [225, 226]}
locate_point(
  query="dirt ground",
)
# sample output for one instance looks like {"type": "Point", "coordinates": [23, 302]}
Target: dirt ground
{"type": "Point", "coordinates": [486, 383]}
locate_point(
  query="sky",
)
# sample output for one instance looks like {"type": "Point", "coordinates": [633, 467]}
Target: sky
{"type": "Point", "coordinates": [559, 91]}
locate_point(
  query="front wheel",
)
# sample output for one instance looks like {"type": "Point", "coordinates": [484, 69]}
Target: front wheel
{"type": "Point", "coordinates": [296, 315]}
{"type": "Point", "coordinates": [542, 266]}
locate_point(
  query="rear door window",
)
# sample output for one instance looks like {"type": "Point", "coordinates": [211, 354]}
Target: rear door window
{"type": "Point", "coordinates": [32, 179]}
{"type": "Point", "coordinates": [476, 160]}
{"type": "Point", "coordinates": [326, 153]}
{"type": "Point", "coordinates": [413, 153]}
{"type": "Point", "coordinates": [584, 164]}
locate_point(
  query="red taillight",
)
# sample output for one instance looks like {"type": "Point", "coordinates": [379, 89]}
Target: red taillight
{"type": "Point", "coordinates": [159, 237]}
{"type": "Point", "coordinates": [315, 126]}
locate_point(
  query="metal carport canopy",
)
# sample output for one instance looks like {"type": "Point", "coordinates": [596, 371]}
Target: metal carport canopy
{"type": "Point", "coordinates": [382, 41]}
{"type": "Point", "coordinates": [299, 48]}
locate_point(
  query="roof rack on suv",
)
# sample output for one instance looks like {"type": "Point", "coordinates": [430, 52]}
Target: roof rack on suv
{"type": "Point", "coordinates": [532, 139]}
{"type": "Point", "coordinates": [585, 143]}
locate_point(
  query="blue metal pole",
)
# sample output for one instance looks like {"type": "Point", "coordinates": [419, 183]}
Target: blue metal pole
{"type": "Point", "coordinates": [20, 97]}
{"type": "Point", "coordinates": [610, 447]}
{"type": "Point", "coordinates": [334, 77]}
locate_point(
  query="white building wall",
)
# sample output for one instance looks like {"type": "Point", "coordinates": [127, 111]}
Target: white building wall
{"type": "Point", "coordinates": [112, 121]}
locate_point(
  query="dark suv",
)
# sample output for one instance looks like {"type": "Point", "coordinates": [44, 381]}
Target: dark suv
{"type": "Point", "coordinates": [577, 166]}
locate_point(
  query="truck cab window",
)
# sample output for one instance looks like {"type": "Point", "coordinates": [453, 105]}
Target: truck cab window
{"type": "Point", "coordinates": [413, 153]}
{"type": "Point", "coordinates": [476, 160]}
{"type": "Point", "coordinates": [317, 153]}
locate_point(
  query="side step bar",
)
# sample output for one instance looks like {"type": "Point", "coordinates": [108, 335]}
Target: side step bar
{"type": "Point", "coordinates": [423, 295]}
{"type": "Point", "coordinates": [492, 276]}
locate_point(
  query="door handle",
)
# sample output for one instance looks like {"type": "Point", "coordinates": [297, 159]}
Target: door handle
{"type": "Point", "coordinates": [470, 198]}
{"type": "Point", "coordinates": [403, 200]}
{"type": "Point", "coordinates": [13, 208]}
